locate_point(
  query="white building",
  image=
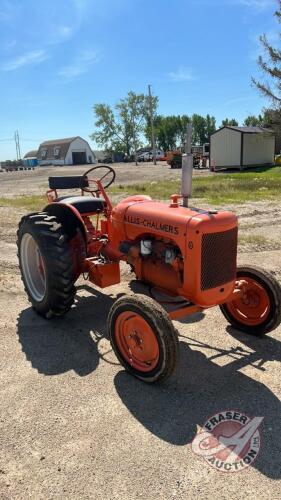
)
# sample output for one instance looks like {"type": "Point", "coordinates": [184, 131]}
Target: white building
{"type": "Point", "coordinates": [70, 151]}
{"type": "Point", "coordinates": [242, 147]}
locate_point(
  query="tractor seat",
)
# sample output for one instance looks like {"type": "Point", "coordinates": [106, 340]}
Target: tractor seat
{"type": "Point", "coordinates": [68, 182]}
{"type": "Point", "coordinates": [84, 204]}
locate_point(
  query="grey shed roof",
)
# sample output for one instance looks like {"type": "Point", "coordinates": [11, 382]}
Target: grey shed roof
{"type": "Point", "coordinates": [246, 130]}
{"type": "Point", "coordinates": [250, 130]}
{"type": "Point", "coordinates": [31, 154]}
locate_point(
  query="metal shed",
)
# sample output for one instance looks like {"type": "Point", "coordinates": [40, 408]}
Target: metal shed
{"type": "Point", "coordinates": [239, 147]}
{"type": "Point", "coordinates": [30, 159]}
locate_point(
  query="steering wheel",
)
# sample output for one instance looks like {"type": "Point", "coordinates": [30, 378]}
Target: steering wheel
{"type": "Point", "coordinates": [89, 178]}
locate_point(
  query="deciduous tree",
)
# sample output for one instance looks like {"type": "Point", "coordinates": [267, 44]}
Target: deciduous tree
{"type": "Point", "coordinates": [253, 121]}
{"type": "Point", "coordinates": [229, 122]}
{"type": "Point", "coordinates": [120, 128]}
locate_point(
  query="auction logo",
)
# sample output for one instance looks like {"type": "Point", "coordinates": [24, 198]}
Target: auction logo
{"type": "Point", "coordinates": [229, 441]}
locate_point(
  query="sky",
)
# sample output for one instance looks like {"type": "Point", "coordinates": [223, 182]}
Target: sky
{"type": "Point", "coordinates": [60, 57]}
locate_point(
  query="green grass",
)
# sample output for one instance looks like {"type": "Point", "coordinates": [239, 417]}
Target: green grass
{"type": "Point", "coordinates": [218, 189]}
{"type": "Point", "coordinates": [260, 184]}
{"type": "Point", "coordinates": [28, 203]}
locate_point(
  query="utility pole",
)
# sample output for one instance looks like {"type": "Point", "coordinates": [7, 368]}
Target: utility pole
{"type": "Point", "coordinates": [152, 124]}
{"type": "Point", "coordinates": [17, 141]}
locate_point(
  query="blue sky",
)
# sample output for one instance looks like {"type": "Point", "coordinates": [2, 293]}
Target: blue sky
{"type": "Point", "coordinates": [59, 57]}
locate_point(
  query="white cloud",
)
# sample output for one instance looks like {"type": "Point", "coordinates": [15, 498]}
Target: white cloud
{"type": "Point", "coordinates": [80, 65]}
{"type": "Point", "coordinates": [181, 75]}
{"type": "Point", "coordinates": [29, 58]}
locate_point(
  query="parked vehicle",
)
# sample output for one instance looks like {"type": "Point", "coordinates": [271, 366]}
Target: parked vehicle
{"type": "Point", "coordinates": [200, 156]}
{"type": "Point", "coordinates": [147, 156]}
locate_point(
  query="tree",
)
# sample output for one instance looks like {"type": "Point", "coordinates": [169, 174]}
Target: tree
{"type": "Point", "coordinates": [270, 64]}
{"type": "Point", "coordinates": [210, 126]}
{"type": "Point", "coordinates": [229, 123]}
{"type": "Point", "coordinates": [120, 128]}
{"type": "Point", "coordinates": [184, 120]}
{"type": "Point", "coordinates": [170, 131]}
{"type": "Point", "coordinates": [253, 121]}
{"type": "Point", "coordinates": [272, 120]}
{"type": "Point", "coordinates": [202, 128]}
{"type": "Point", "coordinates": [167, 131]}
{"type": "Point", "coordinates": [199, 129]}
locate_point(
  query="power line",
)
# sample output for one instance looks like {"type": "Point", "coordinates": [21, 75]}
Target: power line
{"type": "Point", "coordinates": [32, 140]}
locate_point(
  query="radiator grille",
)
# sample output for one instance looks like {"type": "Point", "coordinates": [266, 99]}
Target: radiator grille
{"type": "Point", "coordinates": [218, 258]}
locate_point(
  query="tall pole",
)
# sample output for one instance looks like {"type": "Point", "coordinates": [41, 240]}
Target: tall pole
{"type": "Point", "coordinates": [15, 137]}
{"type": "Point", "coordinates": [187, 168]}
{"type": "Point", "coordinates": [152, 124]}
{"type": "Point", "coordinates": [17, 141]}
{"type": "Point", "coordinates": [19, 145]}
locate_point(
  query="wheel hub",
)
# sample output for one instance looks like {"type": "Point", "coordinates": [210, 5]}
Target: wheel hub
{"type": "Point", "coordinates": [253, 307]}
{"type": "Point", "coordinates": [251, 299]}
{"type": "Point", "coordinates": [136, 341]}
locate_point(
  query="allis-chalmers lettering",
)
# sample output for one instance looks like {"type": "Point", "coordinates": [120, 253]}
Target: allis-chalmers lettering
{"type": "Point", "coordinates": [151, 224]}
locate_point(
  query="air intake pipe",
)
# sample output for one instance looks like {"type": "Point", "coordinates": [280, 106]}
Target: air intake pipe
{"type": "Point", "coordinates": [187, 168]}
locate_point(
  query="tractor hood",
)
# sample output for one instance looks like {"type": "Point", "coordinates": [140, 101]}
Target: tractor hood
{"type": "Point", "coordinates": [135, 217]}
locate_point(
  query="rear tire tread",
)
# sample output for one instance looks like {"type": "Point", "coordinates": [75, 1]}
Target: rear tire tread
{"type": "Point", "coordinates": [53, 243]}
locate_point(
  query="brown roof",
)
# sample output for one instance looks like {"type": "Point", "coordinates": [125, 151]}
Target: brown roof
{"type": "Point", "coordinates": [63, 144]}
{"type": "Point", "coordinates": [31, 154]}
{"type": "Point", "coordinates": [58, 142]}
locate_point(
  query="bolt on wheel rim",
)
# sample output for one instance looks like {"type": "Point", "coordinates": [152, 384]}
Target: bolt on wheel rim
{"type": "Point", "coordinates": [33, 267]}
{"type": "Point", "coordinates": [253, 308]}
{"type": "Point", "coordinates": [136, 341]}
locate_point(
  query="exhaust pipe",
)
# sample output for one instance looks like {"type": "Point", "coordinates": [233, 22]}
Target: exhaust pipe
{"type": "Point", "coordinates": [187, 168]}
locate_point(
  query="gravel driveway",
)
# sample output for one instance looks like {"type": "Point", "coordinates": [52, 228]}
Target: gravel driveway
{"type": "Point", "coordinates": [75, 425]}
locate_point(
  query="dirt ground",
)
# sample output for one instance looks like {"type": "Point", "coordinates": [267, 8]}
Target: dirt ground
{"type": "Point", "coordinates": [36, 181]}
{"type": "Point", "coordinates": [75, 425]}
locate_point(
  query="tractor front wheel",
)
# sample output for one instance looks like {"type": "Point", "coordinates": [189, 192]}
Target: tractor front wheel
{"type": "Point", "coordinates": [143, 338]}
{"type": "Point", "coordinates": [258, 311]}
{"type": "Point", "coordinates": [46, 264]}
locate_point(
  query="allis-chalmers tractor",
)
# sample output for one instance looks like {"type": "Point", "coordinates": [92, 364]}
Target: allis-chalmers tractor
{"type": "Point", "coordinates": [186, 253]}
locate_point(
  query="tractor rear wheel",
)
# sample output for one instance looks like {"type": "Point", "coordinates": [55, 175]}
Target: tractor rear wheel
{"type": "Point", "coordinates": [143, 338]}
{"type": "Point", "coordinates": [46, 264]}
{"type": "Point", "coordinates": [258, 312]}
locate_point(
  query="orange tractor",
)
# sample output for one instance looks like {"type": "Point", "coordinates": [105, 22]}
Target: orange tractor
{"type": "Point", "coordinates": [187, 253]}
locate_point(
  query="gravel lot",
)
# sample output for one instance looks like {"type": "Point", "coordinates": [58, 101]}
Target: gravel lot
{"type": "Point", "coordinates": [75, 425]}
{"type": "Point", "coordinates": [36, 181]}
